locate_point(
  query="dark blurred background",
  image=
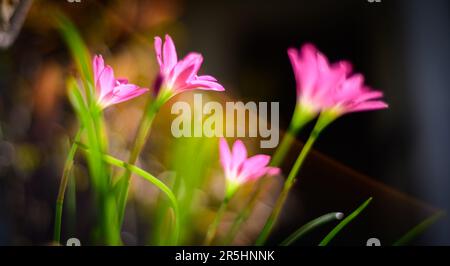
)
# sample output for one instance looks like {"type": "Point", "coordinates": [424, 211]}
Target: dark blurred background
{"type": "Point", "coordinates": [402, 48]}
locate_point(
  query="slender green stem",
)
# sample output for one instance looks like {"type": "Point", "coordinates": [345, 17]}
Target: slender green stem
{"type": "Point", "coordinates": [63, 185]}
{"type": "Point", "coordinates": [157, 235]}
{"type": "Point", "coordinates": [344, 222]}
{"type": "Point", "coordinates": [332, 216]}
{"type": "Point", "coordinates": [212, 229]}
{"type": "Point", "coordinates": [300, 118]}
{"type": "Point", "coordinates": [301, 158]}
{"type": "Point", "coordinates": [155, 181]}
{"type": "Point", "coordinates": [418, 229]}
{"type": "Point", "coordinates": [144, 130]}
{"type": "Point", "coordinates": [140, 140]}
{"type": "Point", "coordinates": [286, 188]}
{"type": "Point", "coordinates": [283, 149]}
{"type": "Point", "coordinates": [71, 204]}
{"type": "Point", "coordinates": [108, 212]}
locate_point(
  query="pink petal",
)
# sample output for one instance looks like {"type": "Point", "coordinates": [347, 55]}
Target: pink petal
{"type": "Point", "coordinates": [124, 89]}
{"type": "Point", "coordinates": [105, 82]}
{"type": "Point", "coordinates": [185, 70]}
{"type": "Point", "coordinates": [345, 66]}
{"type": "Point", "coordinates": [369, 95]}
{"type": "Point", "coordinates": [207, 78]}
{"type": "Point", "coordinates": [308, 69]}
{"type": "Point", "coordinates": [124, 93]}
{"type": "Point", "coordinates": [97, 66]}
{"type": "Point", "coordinates": [322, 62]}
{"type": "Point", "coordinates": [158, 46]}
{"type": "Point", "coordinates": [273, 171]}
{"type": "Point", "coordinates": [256, 161]}
{"type": "Point", "coordinates": [202, 85]}
{"type": "Point", "coordinates": [254, 167]}
{"type": "Point", "coordinates": [225, 156]}
{"type": "Point", "coordinates": [368, 106]}
{"type": "Point", "coordinates": [294, 58]}
{"type": "Point", "coordinates": [121, 81]}
{"type": "Point", "coordinates": [238, 155]}
{"type": "Point", "coordinates": [169, 54]}
{"type": "Point", "coordinates": [350, 89]}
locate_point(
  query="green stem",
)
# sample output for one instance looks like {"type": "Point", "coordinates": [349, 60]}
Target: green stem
{"type": "Point", "coordinates": [212, 229]}
{"type": "Point", "coordinates": [160, 229]}
{"type": "Point", "coordinates": [300, 118]}
{"type": "Point", "coordinates": [418, 229]}
{"type": "Point", "coordinates": [283, 149]}
{"type": "Point", "coordinates": [287, 187]}
{"type": "Point", "coordinates": [344, 222]}
{"type": "Point", "coordinates": [71, 203]}
{"type": "Point", "coordinates": [155, 181]}
{"type": "Point", "coordinates": [332, 216]}
{"type": "Point", "coordinates": [63, 185]}
{"type": "Point", "coordinates": [108, 206]}
{"type": "Point", "coordinates": [140, 140]}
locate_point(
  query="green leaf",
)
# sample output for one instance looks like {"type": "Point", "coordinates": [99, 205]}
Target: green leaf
{"type": "Point", "coordinates": [343, 223]}
{"type": "Point", "coordinates": [90, 116]}
{"type": "Point", "coordinates": [78, 50]}
{"type": "Point", "coordinates": [418, 229]}
{"type": "Point", "coordinates": [149, 177]}
{"type": "Point", "coordinates": [332, 216]}
{"type": "Point", "coordinates": [75, 97]}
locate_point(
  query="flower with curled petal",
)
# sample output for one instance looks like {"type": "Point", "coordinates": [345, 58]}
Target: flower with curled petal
{"type": "Point", "coordinates": [108, 89]}
{"type": "Point", "coordinates": [181, 75]}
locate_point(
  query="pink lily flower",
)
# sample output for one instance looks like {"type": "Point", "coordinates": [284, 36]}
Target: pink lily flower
{"type": "Point", "coordinates": [181, 75]}
{"type": "Point", "coordinates": [108, 89]}
{"type": "Point", "coordinates": [325, 87]}
{"type": "Point", "coordinates": [239, 169]}
{"type": "Point", "coordinates": [315, 77]}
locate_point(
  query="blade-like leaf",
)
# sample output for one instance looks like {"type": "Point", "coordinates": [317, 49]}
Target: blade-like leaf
{"type": "Point", "coordinates": [418, 229]}
{"type": "Point", "coordinates": [332, 216]}
{"type": "Point", "coordinates": [344, 222]}
{"type": "Point", "coordinates": [78, 50]}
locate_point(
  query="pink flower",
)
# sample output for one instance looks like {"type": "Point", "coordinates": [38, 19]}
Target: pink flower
{"type": "Point", "coordinates": [239, 169]}
{"type": "Point", "coordinates": [179, 76]}
{"type": "Point", "coordinates": [325, 87]}
{"type": "Point", "coordinates": [110, 90]}
{"type": "Point", "coordinates": [315, 77]}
